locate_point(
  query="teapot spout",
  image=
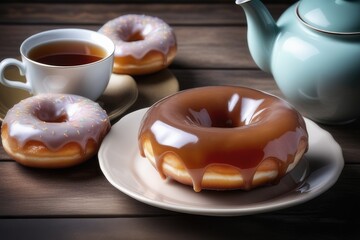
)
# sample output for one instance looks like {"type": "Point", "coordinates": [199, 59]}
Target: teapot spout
{"type": "Point", "coordinates": [262, 32]}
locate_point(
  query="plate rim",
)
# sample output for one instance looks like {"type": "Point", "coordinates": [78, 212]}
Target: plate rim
{"type": "Point", "coordinates": [250, 209]}
{"type": "Point", "coordinates": [121, 109]}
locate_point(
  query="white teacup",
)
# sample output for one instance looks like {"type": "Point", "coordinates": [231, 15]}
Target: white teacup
{"type": "Point", "coordinates": [80, 74]}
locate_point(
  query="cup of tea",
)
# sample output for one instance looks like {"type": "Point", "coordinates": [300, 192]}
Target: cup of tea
{"type": "Point", "coordinates": [73, 61]}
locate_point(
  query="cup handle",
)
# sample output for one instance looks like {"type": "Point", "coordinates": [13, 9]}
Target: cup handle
{"type": "Point", "coordinates": [10, 83]}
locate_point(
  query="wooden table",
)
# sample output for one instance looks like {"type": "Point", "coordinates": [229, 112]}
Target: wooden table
{"type": "Point", "coordinates": [79, 203]}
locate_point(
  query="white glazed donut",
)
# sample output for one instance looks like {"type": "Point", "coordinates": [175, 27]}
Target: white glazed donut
{"type": "Point", "coordinates": [54, 130]}
{"type": "Point", "coordinates": [143, 44]}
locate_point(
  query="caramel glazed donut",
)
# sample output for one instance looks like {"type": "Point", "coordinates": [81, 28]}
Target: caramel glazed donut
{"type": "Point", "coordinates": [54, 130]}
{"type": "Point", "coordinates": [143, 44]}
{"type": "Point", "coordinates": [238, 138]}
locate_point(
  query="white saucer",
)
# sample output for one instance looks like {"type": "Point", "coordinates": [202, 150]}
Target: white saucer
{"type": "Point", "coordinates": [126, 170]}
{"type": "Point", "coordinates": [153, 87]}
{"type": "Point", "coordinates": [119, 95]}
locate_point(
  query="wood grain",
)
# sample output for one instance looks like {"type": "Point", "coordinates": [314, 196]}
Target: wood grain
{"type": "Point", "coordinates": [79, 191]}
{"type": "Point", "coordinates": [85, 13]}
{"type": "Point", "coordinates": [198, 46]}
{"type": "Point", "coordinates": [84, 191]}
{"type": "Point", "coordinates": [283, 225]}
{"type": "Point", "coordinates": [79, 203]}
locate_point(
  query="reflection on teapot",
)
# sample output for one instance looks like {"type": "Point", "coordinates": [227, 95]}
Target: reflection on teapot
{"type": "Point", "coordinates": [313, 52]}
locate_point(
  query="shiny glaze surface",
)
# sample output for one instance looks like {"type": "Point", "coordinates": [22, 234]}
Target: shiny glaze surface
{"type": "Point", "coordinates": [136, 35]}
{"type": "Point", "coordinates": [233, 126]}
{"type": "Point", "coordinates": [55, 120]}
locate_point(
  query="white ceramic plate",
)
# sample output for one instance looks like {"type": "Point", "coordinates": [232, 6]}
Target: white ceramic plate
{"type": "Point", "coordinates": [125, 169]}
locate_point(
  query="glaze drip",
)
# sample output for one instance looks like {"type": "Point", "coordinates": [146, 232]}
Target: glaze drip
{"type": "Point", "coordinates": [56, 120]}
{"type": "Point", "coordinates": [232, 126]}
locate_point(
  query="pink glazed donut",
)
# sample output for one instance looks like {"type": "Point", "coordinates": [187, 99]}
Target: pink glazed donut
{"type": "Point", "coordinates": [143, 44]}
{"type": "Point", "coordinates": [54, 130]}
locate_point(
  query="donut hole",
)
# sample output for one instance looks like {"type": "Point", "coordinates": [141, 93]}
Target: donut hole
{"type": "Point", "coordinates": [136, 36]}
{"type": "Point", "coordinates": [213, 119]}
{"type": "Point", "coordinates": [50, 113]}
{"type": "Point", "coordinates": [233, 112]}
{"type": "Point", "coordinates": [224, 123]}
{"type": "Point", "coordinates": [53, 118]}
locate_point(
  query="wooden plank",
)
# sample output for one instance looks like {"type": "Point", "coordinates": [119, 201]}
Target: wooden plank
{"type": "Point", "coordinates": [79, 191]}
{"type": "Point", "coordinates": [180, 227]}
{"type": "Point", "coordinates": [190, 78]}
{"type": "Point", "coordinates": [84, 191]}
{"type": "Point", "coordinates": [198, 47]}
{"type": "Point", "coordinates": [212, 47]}
{"type": "Point", "coordinates": [87, 13]}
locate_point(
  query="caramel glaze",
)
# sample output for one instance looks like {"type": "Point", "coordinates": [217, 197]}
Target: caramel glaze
{"type": "Point", "coordinates": [227, 125]}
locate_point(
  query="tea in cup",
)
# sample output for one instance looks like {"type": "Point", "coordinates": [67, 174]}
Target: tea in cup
{"type": "Point", "coordinates": [73, 61]}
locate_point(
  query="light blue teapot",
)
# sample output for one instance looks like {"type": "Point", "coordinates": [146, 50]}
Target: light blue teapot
{"type": "Point", "coordinates": [313, 53]}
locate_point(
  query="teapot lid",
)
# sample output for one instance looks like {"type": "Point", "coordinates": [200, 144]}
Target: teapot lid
{"type": "Point", "coordinates": [331, 16]}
